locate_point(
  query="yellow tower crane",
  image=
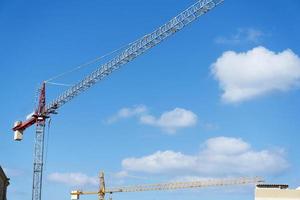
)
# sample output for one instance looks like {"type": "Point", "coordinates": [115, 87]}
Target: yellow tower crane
{"type": "Point", "coordinates": [75, 194]}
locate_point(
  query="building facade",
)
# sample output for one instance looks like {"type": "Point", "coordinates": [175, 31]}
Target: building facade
{"type": "Point", "coordinates": [276, 192]}
{"type": "Point", "coordinates": [4, 182]}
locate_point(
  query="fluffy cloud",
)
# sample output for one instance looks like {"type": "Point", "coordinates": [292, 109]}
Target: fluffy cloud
{"type": "Point", "coordinates": [172, 120]}
{"type": "Point", "coordinates": [128, 112]}
{"type": "Point", "coordinates": [246, 75]}
{"type": "Point", "coordinates": [220, 156]}
{"type": "Point", "coordinates": [120, 174]}
{"type": "Point", "coordinates": [169, 121]}
{"type": "Point", "coordinates": [73, 179]}
{"type": "Point", "coordinates": [159, 162]}
{"type": "Point", "coordinates": [191, 178]}
{"type": "Point", "coordinates": [243, 35]}
{"type": "Point", "coordinates": [124, 174]}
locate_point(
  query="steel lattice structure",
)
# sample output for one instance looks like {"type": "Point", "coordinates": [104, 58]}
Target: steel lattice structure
{"type": "Point", "coordinates": [38, 160]}
{"type": "Point", "coordinates": [134, 50]}
{"type": "Point", "coordinates": [165, 186]}
{"type": "Point", "coordinates": [184, 185]}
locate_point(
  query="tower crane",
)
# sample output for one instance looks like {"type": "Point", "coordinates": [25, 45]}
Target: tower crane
{"type": "Point", "coordinates": [140, 46]}
{"type": "Point", "coordinates": [75, 195]}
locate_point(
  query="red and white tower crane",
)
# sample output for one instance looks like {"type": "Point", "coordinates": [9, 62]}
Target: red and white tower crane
{"type": "Point", "coordinates": [140, 46]}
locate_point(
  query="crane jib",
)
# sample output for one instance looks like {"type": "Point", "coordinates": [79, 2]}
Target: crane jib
{"type": "Point", "coordinates": [75, 194]}
{"type": "Point", "coordinates": [134, 50]}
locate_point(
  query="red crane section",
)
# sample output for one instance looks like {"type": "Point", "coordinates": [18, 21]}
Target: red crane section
{"type": "Point", "coordinates": [38, 115]}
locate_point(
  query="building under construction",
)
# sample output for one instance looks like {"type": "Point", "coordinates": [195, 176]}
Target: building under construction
{"type": "Point", "coordinates": [4, 182]}
{"type": "Point", "coordinates": [276, 192]}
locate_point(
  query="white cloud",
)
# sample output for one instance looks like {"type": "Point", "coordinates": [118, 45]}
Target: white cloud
{"type": "Point", "coordinates": [159, 162]}
{"type": "Point", "coordinates": [191, 178]}
{"type": "Point", "coordinates": [210, 126]}
{"type": "Point", "coordinates": [220, 156]}
{"type": "Point", "coordinates": [73, 179]}
{"type": "Point", "coordinates": [225, 145]}
{"type": "Point", "coordinates": [124, 174]}
{"type": "Point", "coordinates": [120, 174]}
{"type": "Point", "coordinates": [127, 113]}
{"type": "Point", "coordinates": [172, 120]}
{"type": "Point", "coordinates": [243, 35]}
{"type": "Point", "coordinates": [169, 121]}
{"type": "Point", "coordinates": [246, 75]}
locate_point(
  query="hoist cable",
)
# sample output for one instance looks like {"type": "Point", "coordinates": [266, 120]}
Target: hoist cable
{"type": "Point", "coordinates": [59, 84]}
{"type": "Point", "coordinates": [86, 64]}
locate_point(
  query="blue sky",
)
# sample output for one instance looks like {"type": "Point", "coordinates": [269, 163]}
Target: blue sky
{"type": "Point", "coordinates": [218, 99]}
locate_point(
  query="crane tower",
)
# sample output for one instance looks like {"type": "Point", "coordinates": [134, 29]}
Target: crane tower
{"type": "Point", "coordinates": [140, 46]}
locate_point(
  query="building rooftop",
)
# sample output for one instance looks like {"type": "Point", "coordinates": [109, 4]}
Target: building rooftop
{"type": "Point", "coordinates": [279, 186]}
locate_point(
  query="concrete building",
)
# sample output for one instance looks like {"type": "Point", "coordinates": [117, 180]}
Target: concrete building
{"type": "Point", "coordinates": [4, 182]}
{"type": "Point", "coordinates": [276, 192]}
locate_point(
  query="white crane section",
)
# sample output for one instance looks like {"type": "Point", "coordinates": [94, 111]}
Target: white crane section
{"type": "Point", "coordinates": [134, 50]}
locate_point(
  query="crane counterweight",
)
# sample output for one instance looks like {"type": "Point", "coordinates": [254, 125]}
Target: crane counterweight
{"type": "Point", "coordinates": [18, 134]}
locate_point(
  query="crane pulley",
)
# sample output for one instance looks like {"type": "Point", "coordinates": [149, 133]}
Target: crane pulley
{"type": "Point", "coordinates": [140, 46]}
{"type": "Point", "coordinates": [75, 195]}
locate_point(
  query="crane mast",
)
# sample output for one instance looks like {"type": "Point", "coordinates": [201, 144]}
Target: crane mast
{"type": "Point", "coordinates": [38, 160]}
{"type": "Point", "coordinates": [75, 195]}
{"type": "Point", "coordinates": [134, 50]}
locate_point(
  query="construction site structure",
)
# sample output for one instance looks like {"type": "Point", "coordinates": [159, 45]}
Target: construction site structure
{"type": "Point", "coordinates": [140, 46]}
{"type": "Point", "coordinates": [4, 182]}
{"type": "Point", "coordinates": [276, 192]}
{"type": "Point", "coordinates": [75, 195]}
